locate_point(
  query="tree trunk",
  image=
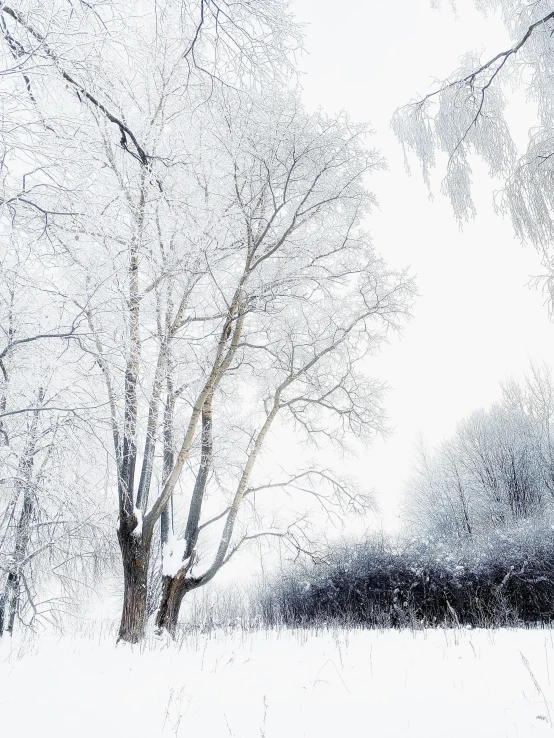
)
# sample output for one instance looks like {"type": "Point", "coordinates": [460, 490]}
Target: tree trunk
{"type": "Point", "coordinates": [8, 603]}
{"type": "Point", "coordinates": [135, 553]}
{"type": "Point", "coordinates": [14, 605]}
{"type": "Point", "coordinates": [173, 591]}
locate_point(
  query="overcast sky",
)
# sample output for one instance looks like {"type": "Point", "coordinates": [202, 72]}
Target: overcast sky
{"type": "Point", "coordinates": [476, 320]}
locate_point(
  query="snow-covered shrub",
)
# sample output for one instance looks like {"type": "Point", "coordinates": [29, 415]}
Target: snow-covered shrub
{"type": "Point", "coordinates": [505, 578]}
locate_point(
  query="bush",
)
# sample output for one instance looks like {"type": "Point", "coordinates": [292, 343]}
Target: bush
{"type": "Point", "coordinates": [502, 579]}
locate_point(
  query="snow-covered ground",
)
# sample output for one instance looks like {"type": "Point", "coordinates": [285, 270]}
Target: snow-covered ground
{"type": "Point", "coordinates": [282, 684]}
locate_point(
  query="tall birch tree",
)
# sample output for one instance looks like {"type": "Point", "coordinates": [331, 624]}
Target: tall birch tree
{"type": "Point", "coordinates": [307, 299]}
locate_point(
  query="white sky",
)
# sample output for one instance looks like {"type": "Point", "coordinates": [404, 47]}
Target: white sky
{"type": "Point", "coordinates": [475, 321]}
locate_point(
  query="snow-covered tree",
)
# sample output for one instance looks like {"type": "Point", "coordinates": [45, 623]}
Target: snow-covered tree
{"type": "Point", "coordinates": [495, 471]}
{"type": "Point", "coordinates": [206, 233]}
{"type": "Point", "coordinates": [51, 522]}
{"type": "Point", "coordinates": [98, 99]}
{"type": "Point", "coordinates": [307, 298]}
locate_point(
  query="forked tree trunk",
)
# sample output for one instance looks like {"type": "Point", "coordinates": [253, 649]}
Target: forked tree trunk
{"type": "Point", "coordinates": [174, 588]}
{"type": "Point", "coordinates": [135, 553]}
{"type": "Point", "coordinates": [173, 591]}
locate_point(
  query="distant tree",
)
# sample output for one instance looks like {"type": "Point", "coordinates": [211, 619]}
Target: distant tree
{"type": "Point", "coordinates": [495, 471]}
{"type": "Point", "coordinates": [437, 498]}
{"type": "Point", "coordinates": [535, 399]}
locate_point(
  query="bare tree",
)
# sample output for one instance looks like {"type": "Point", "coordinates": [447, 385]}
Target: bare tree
{"type": "Point", "coordinates": [309, 301]}
{"type": "Point", "coordinates": [46, 530]}
{"type": "Point", "coordinates": [535, 399]}
{"type": "Point", "coordinates": [496, 469]}
{"type": "Point", "coordinates": [119, 191]}
{"type": "Point", "coordinates": [208, 234]}
{"type": "Point", "coordinates": [438, 500]}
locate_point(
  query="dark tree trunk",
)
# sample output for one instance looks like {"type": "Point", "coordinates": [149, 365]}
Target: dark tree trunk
{"type": "Point", "coordinates": [135, 552]}
{"type": "Point", "coordinates": [3, 606]}
{"type": "Point", "coordinates": [14, 605]}
{"type": "Point", "coordinates": [8, 603]}
{"type": "Point", "coordinates": [173, 591]}
{"type": "Point", "coordinates": [195, 510]}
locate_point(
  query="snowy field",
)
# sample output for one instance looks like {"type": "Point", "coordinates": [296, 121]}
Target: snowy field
{"type": "Point", "coordinates": [282, 684]}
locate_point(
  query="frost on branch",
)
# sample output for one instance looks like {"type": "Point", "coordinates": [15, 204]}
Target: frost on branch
{"type": "Point", "coordinates": [470, 114]}
{"type": "Point", "coordinates": [458, 120]}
